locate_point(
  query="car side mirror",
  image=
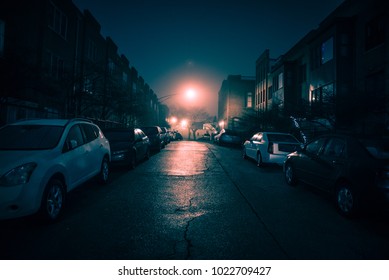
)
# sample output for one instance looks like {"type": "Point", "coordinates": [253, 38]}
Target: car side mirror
{"type": "Point", "coordinates": [73, 144]}
{"type": "Point", "coordinates": [69, 145]}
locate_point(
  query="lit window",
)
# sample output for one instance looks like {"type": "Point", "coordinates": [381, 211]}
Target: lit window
{"type": "Point", "coordinates": [249, 100]}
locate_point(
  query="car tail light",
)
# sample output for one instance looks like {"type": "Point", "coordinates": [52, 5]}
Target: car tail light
{"type": "Point", "coordinates": [270, 148]}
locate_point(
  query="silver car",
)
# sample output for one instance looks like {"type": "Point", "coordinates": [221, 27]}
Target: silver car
{"type": "Point", "coordinates": [270, 147]}
{"type": "Point", "coordinates": [43, 159]}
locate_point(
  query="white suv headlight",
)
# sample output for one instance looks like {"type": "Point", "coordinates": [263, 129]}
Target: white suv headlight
{"type": "Point", "coordinates": [18, 175]}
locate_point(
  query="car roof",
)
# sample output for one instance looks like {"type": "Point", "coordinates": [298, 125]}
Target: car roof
{"type": "Point", "coordinates": [273, 132]}
{"type": "Point", "coordinates": [119, 129]}
{"type": "Point", "coordinates": [54, 122]}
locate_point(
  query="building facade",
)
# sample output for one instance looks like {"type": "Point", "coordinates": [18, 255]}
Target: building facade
{"type": "Point", "coordinates": [54, 62]}
{"type": "Point", "coordinates": [236, 102]}
{"type": "Point", "coordinates": [338, 72]}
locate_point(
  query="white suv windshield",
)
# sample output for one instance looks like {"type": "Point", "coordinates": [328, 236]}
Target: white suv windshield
{"type": "Point", "coordinates": [30, 137]}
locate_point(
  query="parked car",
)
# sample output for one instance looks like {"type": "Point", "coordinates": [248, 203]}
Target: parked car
{"type": "Point", "coordinates": [228, 137]}
{"type": "Point", "coordinates": [128, 146]}
{"type": "Point", "coordinates": [156, 137]}
{"type": "Point", "coordinates": [206, 136]}
{"type": "Point", "coordinates": [41, 160]}
{"type": "Point", "coordinates": [270, 147]}
{"type": "Point", "coordinates": [217, 136]}
{"type": "Point", "coordinates": [178, 136]}
{"type": "Point", "coordinates": [165, 136]}
{"type": "Point", "coordinates": [355, 171]}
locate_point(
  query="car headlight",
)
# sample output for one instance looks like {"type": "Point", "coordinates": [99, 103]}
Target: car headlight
{"type": "Point", "coordinates": [18, 175]}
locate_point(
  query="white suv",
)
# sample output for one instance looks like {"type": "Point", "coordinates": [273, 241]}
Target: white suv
{"type": "Point", "coordinates": [41, 160]}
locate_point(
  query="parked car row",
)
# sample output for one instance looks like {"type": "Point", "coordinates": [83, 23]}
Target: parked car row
{"type": "Point", "coordinates": [128, 146]}
{"type": "Point", "coordinates": [41, 160]}
{"type": "Point", "coordinates": [354, 171]}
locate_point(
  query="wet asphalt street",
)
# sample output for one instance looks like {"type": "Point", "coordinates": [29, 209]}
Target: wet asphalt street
{"type": "Point", "coordinates": [196, 200]}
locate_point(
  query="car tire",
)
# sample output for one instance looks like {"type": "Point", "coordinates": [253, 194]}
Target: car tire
{"type": "Point", "coordinates": [244, 155]}
{"type": "Point", "coordinates": [259, 160]}
{"type": "Point", "coordinates": [290, 175]}
{"type": "Point", "coordinates": [104, 171]}
{"type": "Point", "coordinates": [53, 200]}
{"type": "Point", "coordinates": [132, 163]}
{"type": "Point", "coordinates": [147, 156]}
{"type": "Point", "coordinates": [346, 200]}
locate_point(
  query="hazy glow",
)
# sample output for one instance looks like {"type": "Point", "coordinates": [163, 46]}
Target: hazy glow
{"type": "Point", "coordinates": [173, 120]}
{"type": "Point", "coordinates": [184, 123]}
{"type": "Point", "coordinates": [190, 93]}
{"type": "Point", "coordinates": [202, 79]}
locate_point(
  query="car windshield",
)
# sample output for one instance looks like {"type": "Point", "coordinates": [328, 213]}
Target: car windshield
{"type": "Point", "coordinates": [281, 138]}
{"type": "Point", "coordinates": [149, 130]}
{"type": "Point", "coordinates": [230, 132]}
{"type": "Point", "coordinates": [30, 137]}
{"type": "Point", "coordinates": [119, 136]}
{"type": "Point", "coordinates": [379, 149]}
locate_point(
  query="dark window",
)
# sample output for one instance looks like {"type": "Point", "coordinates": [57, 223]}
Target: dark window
{"type": "Point", "coordinates": [54, 65]}
{"type": "Point", "coordinates": [334, 148]}
{"type": "Point", "coordinates": [150, 130]}
{"type": "Point", "coordinates": [2, 30]}
{"type": "Point", "coordinates": [281, 138]}
{"type": "Point", "coordinates": [91, 132]}
{"type": "Point", "coordinates": [375, 93]}
{"type": "Point", "coordinates": [302, 74]}
{"type": "Point", "coordinates": [327, 50]}
{"type": "Point", "coordinates": [315, 146]}
{"type": "Point", "coordinates": [74, 138]}
{"type": "Point", "coordinates": [57, 20]}
{"type": "Point", "coordinates": [30, 137]}
{"type": "Point", "coordinates": [375, 32]}
{"type": "Point", "coordinates": [120, 135]}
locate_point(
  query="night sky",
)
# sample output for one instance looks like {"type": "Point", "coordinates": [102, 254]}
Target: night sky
{"type": "Point", "coordinates": [176, 44]}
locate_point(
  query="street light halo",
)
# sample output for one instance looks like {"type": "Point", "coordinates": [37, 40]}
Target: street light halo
{"type": "Point", "coordinates": [190, 93]}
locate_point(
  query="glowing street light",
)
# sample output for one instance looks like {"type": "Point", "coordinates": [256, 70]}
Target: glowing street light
{"type": "Point", "coordinates": [184, 123]}
{"type": "Point", "coordinates": [173, 120]}
{"type": "Point", "coordinates": [190, 94]}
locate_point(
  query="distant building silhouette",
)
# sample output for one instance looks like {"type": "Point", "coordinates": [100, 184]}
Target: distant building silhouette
{"type": "Point", "coordinates": [236, 101]}
{"type": "Point", "coordinates": [54, 62]}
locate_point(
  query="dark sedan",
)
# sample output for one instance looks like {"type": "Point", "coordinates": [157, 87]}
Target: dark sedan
{"type": "Point", "coordinates": [355, 171]}
{"type": "Point", "coordinates": [156, 137]}
{"type": "Point", "coordinates": [128, 146]}
{"type": "Point", "coordinates": [228, 137]}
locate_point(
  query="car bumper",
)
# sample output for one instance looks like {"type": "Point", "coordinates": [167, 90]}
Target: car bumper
{"type": "Point", "coordinates": [18, 201]}
{"type": "Point", "coordinates": [278, 159]}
